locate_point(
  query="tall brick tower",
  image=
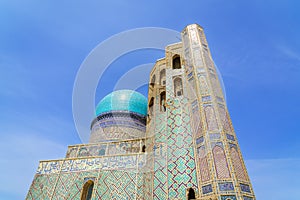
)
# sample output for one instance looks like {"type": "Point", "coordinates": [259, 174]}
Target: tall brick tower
{"type": "Point", "coordinates": [196, 153]}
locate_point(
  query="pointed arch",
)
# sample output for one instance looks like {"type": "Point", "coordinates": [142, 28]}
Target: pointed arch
{"type": "Point", "coordinates": [87, 190]}
{"type": "Point", "coordinates": [162, 77]}
{"type": "Point", "coordinates": [191, 194]}
{"type": "Point", "coordinates": [204, 168]}
{"type": "Point", "coordinates": [220, 162]}
{"type": "Point", "coordinates": [176, 62]}
{"type": "Point", "coordinates": [162, 101]}
{"type": "Point", "coordinates": [178, 90]}
{"type": "Point", "coordinates": [211, 119]}
{"type": "Point", "coordinates": [153, 79]}
{"type": "Point", "coordinates": [150, 105]}
{"type": "Point", "coordinates": [237, 164]}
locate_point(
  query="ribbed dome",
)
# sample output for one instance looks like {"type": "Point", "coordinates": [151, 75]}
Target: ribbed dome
{"type": "Point", "coordinates": [123, 100]}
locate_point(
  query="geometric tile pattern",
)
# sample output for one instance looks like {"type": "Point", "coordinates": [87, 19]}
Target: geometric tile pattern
{"type": "Point", "coordinates": [181, 162]}
{"type": "Point", "coordinates": [210, 116]}
{"type": "Point", "coordinates": [220, 162]}
{"type": "Point", "coordinates": [160, 169]}
{"type": "Point", "coordinates": [111, 184]}
{"type": "Point", "coordinates": [198, 127]}
{"type": "Point", "coordinates": [245, 188]}
{"type": "Point", "coordinates": [207, 189]}
{"type": "Point", "coordinates": [230, 137]}
{"type": "Point", "coordinates": [105, 148]}
{"type": "Point", "coordinates": [204, 169]}
{"type": "Point", "coordinates": [115, 184]}
{"type": "Point", "coordinates": [224, 119]}
{"type": "Point", "coordinates": [226, 186]}
{"type": "Point", "coordinates": [42, 187]}
{"type": "Point", "coordinates": [237, 164]}
{"type": "Point", "coordinates": [203, 85]}
{"type": "Point", "coordinates": [228, 197]}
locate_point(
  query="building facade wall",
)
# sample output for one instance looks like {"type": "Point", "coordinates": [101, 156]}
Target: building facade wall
{"type": "Point", "coordinates": [114, 177]}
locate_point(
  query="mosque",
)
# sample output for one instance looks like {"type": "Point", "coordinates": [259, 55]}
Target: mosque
{"type": "Point", "coordinates": [177, 144]}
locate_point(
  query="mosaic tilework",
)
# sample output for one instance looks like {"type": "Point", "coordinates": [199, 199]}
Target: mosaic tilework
{"type": "Point", "coordinates": [187, 52]}
{"type": "Point", "coordinates": [127, 100]}
{"type": "Point", "coordinates": [181, 158]}
{"type": "Point", "coordinates": [115, 133]}
{"type": "Point", "coordinates": [204, 89]}
{"type": "Point", "coordinates": [214, 136]}
{"type": "Point", "coordinates": [204, 169]}
{"type": "Point", "coordinates": [116, 185]}
{"type": "Point", "coordinates": [247, 198]}
{"type": "Point", "coordinates": [69, 185]}
{"type": "Point", "coordinates": [181, 172]}
{"type": "Point", "coordinates": [226, 186]}
{"type": "Point", "coordinates": [122, 119]}
{"type": "Point", "coordinates": [215, 83]}
{"type": "Point", "coordinates": [206, 98]}
{"type": "Point", "coordinates": [103, 163]}
{"type": "Point", "coordinates": [160, 128]}
{"type": "Point", "coordinates": [230, 137]}
{"type": "Point", "coordinates": [245, 187]}
{"type": "Point", "coordinates": [202, 37]}
{"type": "Point", "coordinates": [220, 162]}
{"type": "Point", "coordinates": [191, 88]}
{"type": "Point", "coordinates": [196, 48]}
{"type": "Point", "coordinates": [49, 167]}
{"type": "Point", "coordinates": [42, 187]}
{"type": "Point", "coordinates": [160, 179]}
{"type": "Point", "coordinates": [198, 126]}
{"type": "Point", "coordinates": [160, 187]}
{"type": "Point", "coordinates": [148, 186]}
{"type": "Point", "coordinates": [228, 197]}
{"type": "Point", "coordinates": [207, 189]}
{"type": "Point", "coordinates": [211, 120]}
{"type": "Point", "coordinates": [225, 119]}
{"type": "Point", "coordinates": [59, 186]}
{"type": "Point", "coordinates": [237, 164]}
{"type": "Point", "coordinates": [200, 140]}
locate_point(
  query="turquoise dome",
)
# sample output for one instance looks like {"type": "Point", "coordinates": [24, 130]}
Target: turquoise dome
{"type": "Point", "coordinates": [123, 100]}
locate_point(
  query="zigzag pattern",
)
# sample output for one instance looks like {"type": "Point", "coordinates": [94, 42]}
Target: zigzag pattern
{"type": "Point", "coordinates": [118, 185]}
{"type": "Point", "coordinates": [181, 163]}
{"type": "Point", "coordinates": [42, 187]}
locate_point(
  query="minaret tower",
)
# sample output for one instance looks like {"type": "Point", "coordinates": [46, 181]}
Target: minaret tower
{"type": "Point", "coordinates": [196, 153]}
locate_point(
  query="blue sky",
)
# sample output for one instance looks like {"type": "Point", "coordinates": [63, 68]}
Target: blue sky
{"type": "Point", "coordinates": [255, 44]}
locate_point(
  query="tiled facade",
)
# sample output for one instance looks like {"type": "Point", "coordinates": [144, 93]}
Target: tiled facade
{"type": "Point", "coordinates": [184, 148]}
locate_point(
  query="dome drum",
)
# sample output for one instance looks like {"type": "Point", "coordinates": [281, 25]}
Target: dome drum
{"type": "Point", "coordinates": [120, 115]}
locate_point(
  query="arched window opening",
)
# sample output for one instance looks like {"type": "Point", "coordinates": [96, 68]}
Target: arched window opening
{"type": "Point", "coordinates": [178, 90]}
{"type": "Point", "coordinates": [176, 62]}
{"type": "Point", "coordinates": [151, 106]}
{"type": "Point", "coordinates": [163, 101]}
{"type": "Point", "coordinates": [144, 148]}
{"type": "Point", "coordinates": [162, 78]}
{"type": "Point", "coordinates": [87, 190]}
{"type": "Point", "coordinates": [153, 79]}
{"type": "Point", "coordinates": [191, 194]}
